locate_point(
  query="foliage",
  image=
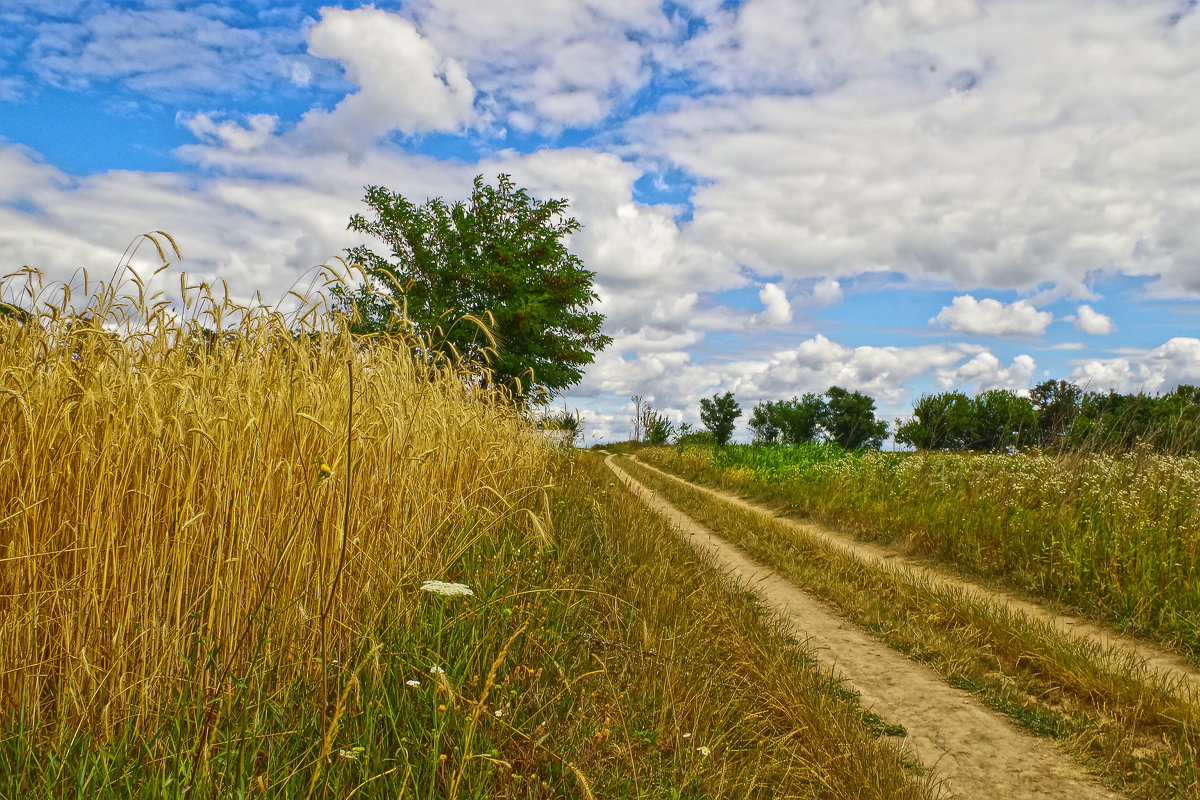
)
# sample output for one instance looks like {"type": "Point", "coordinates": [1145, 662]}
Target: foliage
{"type": "Point", "coordinates": [849, 420]}
{"type": "Point", "coordinates": [1057, 416]}
{"type": "Point", "coordinates": [719, 414]}
{"type": "Point", "coordinates": [571, 423]}
{"type": "Point", "coordinates": [995, 421]}
{"type": "Point", "coordinates": [939, 422]}
{"type": "Point", "coordinates": [690, 437]}
{"type": "Point", "coordinates": [1002, 421]}
{"type": "Point", "coordinates": [780, 462]}
{"type": "Point", "coordinates": [496, 264]}
{"type": "Point", "coordinates": [658, 427]}
{"type": "Point", "coordinates": [794, 421]}
{"type": "Point", "coordinates": [1057, 407]}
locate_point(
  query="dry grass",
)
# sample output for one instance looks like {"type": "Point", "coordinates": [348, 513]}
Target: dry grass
{"type": "Point", "coordinates": [210, 558]}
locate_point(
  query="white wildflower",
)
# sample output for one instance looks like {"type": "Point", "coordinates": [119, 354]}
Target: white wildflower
{"type": "Point", "coordinates": [499, 712]}
{"type": "Point", "coordinates": [704, 751]}
{"type": "Point", "coordinates": [447, 589]}
{"type": "Point", "coordinates": [414, 683]}
{"type": "Point", "coordinates": [436, 670]}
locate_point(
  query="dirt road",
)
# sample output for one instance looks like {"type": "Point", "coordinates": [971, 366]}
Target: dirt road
{"type": "Point", "coordinates": [1174, 669]}
{"type": "Point", "coordinates": [978, 753]}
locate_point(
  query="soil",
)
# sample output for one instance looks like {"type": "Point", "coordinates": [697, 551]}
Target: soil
{"type": "Point", "coordinates": [976, 752]}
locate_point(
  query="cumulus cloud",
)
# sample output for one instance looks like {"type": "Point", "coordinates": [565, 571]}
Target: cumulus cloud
{"type": "Point", "coordinates": [818, 363]}
{"type": "Point", "coordinates": [1002, 149]}
{"type": "Point", "coordinates": [827, 292]}
{"type": "Point", "coordinates": [228, 133]}
{"type": "Point", "coordinates": [985, 371]}
{"type": "Point", "coordinates": [777, 311]}
{"type": "Point", "coordinates": [1088, 320]}
{"type": "Point", "coordinates": [546, 63]}
{"type": "Point", "coordinates": [989, 317]}
{"type": "Point", "coordinates": [404, 83]}
{"type": "Point", "coordinates": [1158, 370]}
{"type": "Point", "coordinates": [164, 52]}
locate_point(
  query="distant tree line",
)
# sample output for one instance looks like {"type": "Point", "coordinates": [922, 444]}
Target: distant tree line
{"type": "Point", "coordinates": [841, 416]}
{"type": "Point", "coordinates": [1056, 415]}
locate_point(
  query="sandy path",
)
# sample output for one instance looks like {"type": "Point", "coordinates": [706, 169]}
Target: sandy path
{"type": "Point", "coordinates": [977, 752]}
{"type": "Point", "coordinates": [1176, 671]}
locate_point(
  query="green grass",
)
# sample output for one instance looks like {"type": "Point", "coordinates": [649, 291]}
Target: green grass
{"type": "Point", "coordinates": [1116, 538]}
{"type": "Point", "coordinates": [1140, 737]}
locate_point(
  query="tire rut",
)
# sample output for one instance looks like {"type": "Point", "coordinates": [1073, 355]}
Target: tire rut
{"type": "Point", "coordinates": [1176, 672]}
{"type": "Point", "coordinates": [977, 753]}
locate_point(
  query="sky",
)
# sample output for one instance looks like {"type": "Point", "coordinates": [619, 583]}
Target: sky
{"type": "Point", "coordinates": [898, 197]}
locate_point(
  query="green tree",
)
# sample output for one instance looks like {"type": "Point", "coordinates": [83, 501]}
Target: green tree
{"type": "Point", "coordinates": [500, 258]}
{"type": "Point", "coordinates": [718, 415]}
{"type": "Point", "coordinates": [763, 424]}
{"type": "Point", "coordinates": [849, 419]}
{"type": "Point", "coordinates": [1057, 404]}
{"type": "Point", "coordinates": [792, 421]}
{"type": "Point", "coordinates": [939, 422]}
{"type": "Point", "coordinates": [658, 427]}
{"type": "Point", "coordinates": [1002, 420]}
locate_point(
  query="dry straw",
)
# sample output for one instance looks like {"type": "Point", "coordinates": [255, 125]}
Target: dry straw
{"type": "Point", "coordinates": [176, 483]}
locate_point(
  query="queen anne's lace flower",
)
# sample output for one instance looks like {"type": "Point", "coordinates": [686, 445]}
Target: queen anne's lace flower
{"type": "Point", "coordinates": [447, 589]}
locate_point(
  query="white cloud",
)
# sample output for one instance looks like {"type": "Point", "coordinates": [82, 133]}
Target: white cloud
{"type": "Point", "coordinates": [989, 317]}
{"type": "Point", "coordinates": [777, 311]}
{"type": "Point", "coordinates": [547, 63]}
{"type": "Point", "coordinates": [827, 292]}
{"type": "Point", "coordinates": [255, 133]}
{"type": "Point", "coordinates": [1161, 369]}
{"type": "Point", "coordinates": [404, 83]}
{"type": "Point", "coordinates": [164, 52]}
{"type": "Point", "coordinates": [1091, 321]}
{"type": "Point", "coordinates": [1002, 145]}
{"type": "Point", "coordinates": [818, 363]}
{"type": "Point", "coordinates": [985, 371]}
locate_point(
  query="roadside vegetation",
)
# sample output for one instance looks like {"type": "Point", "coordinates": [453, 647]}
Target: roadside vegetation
{"type": "Point", "coordinates": [244, 554]}
{"type": "Point", "coordinates": [1113, 537]}
{"type": "Point", "coordinates": [1134, 731]}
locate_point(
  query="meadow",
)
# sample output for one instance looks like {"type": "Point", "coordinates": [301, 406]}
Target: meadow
{"type": "Point", "coordinates": [246, 554]}
{"type": "Point", "coordinates": [1113, 536]}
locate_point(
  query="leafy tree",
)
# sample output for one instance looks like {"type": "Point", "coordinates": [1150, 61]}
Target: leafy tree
{"type": "Point", "coordinates": [1002, 420]}
{"type": "Point", "coordinates": [498, 257]}
{"type": "Point", "coordinates": [1057, 405]}
{"type": "Point", "coordinates": [763, 424]}
{"type": "Point", "coordinates": [689, 436]}
{"type": "Point", "coordinates": [849, 419]}
{"type": "Point", "coordinates": [718, 415]}
{"type": "Point", "coordinates": [939, 422]}
{"type": "Point", "coordinates": [658, 427]}
{"type": "Point", "coordinates": [793, 422]}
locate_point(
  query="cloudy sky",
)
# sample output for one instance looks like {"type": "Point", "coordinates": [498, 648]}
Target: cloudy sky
{"type": "Point", "coordinates": [895, 196]}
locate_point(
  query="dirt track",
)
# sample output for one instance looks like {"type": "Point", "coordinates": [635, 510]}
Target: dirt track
{"type": "Point", "coordinates": [978, 753]}
{"type": "Point", "coordinates": [1176, 671]}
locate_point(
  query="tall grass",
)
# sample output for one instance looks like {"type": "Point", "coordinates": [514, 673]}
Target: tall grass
{"type": "Point", "coordinates": [1116, 536]}
{"type": "Point", "coordinates": [216, 523]}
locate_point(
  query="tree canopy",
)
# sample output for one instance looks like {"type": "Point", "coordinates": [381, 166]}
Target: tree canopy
{"type": "Point", "coordinates": [849, 419]}
{"type": "Point", "coordinates": [719, 414]}
{"type": "Point", "coordinates": [498, 258]}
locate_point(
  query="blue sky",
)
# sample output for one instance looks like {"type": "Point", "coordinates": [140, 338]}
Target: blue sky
{"type": "Point", "coordinates": [896, 196]}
